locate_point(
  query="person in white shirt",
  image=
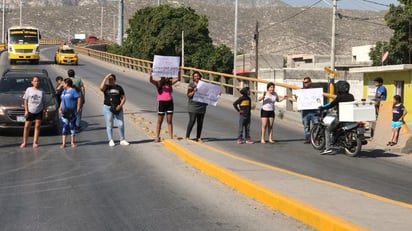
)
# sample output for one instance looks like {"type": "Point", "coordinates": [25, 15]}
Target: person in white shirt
{"type": "Point", "coordinates": [267, 112]}
{"type": "Point", "coordinates": [34, 107]}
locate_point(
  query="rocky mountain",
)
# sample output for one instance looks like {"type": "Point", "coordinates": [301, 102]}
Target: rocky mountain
{"type": "Point", "coordinates": [282, 29]}
{"type": "Point", "coordinates": [42, 3]}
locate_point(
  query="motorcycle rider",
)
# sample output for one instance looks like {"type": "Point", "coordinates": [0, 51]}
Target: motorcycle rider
{"type": "Point", "coordinates": [342, 95]}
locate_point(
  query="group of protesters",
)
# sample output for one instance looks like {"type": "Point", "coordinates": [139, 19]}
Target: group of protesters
{"type": "Point", "coordinates": [70, 99]}
{"type": "Point", "coordinates": [71, 93]}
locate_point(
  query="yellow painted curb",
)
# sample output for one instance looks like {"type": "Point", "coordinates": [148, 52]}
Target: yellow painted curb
{"type": "Point", "coordinates": [305, 213]}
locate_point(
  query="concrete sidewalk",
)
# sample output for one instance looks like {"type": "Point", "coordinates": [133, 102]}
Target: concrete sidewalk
{"type": "Point", "coordinates": [321, 204]}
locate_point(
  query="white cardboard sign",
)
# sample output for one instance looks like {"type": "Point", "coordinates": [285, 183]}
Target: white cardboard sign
{"type": "Point", "coordinates": [165, 66]}
{"type": "Point", "coordinates": [309, 99]}
{"type": "Point", "coordinates": [207, 93]}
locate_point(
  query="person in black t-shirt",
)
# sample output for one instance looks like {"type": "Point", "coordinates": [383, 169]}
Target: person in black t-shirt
{"type": "Point", "coordinates": [342, 95]}
{"type": "Point", "coordinates": [114, 99]}
{"type": "Point", "coordinates": [59, 89]}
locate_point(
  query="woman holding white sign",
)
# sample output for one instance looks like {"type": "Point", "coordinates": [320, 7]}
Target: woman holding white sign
{"type": "Point", "coordinates": [196, 109]}
{"type": "Point", "coordinates": [165, 102]}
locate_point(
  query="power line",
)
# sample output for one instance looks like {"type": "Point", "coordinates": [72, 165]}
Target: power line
{"type": "Point", "coordinates": [376, 3]}
{"type": "Point", "coordinates": [294, 15]}
{"type": "Point", "coordinates": [365, 20]}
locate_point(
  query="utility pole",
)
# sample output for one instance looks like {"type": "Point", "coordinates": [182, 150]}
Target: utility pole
{"type": "Point", "coordinates": [333, 46]}
{"type": "Point", "coordinates": [101, 23]}
{"type": "Point", "coordinates": [254, 86]}
{"type": "Point", "coordinates": [3, 30]}
{"type": "Point", "coordinates": [183, 48]}
{"type": "Point", "coordinates": [120, 24]}
{"type": "Point", "coordinates": [333, 49]}
{"type": "Point", "coordinates": [257, 50]}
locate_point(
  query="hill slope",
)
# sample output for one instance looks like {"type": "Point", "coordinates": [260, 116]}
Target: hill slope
{"type": "Point", "coordinates": [282, 29]}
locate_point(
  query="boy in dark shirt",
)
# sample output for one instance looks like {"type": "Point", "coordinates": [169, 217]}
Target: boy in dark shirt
{"type": "Point", "coordinates": [243, 105]}
{"type": "Point", "coordinates": [59, 89]}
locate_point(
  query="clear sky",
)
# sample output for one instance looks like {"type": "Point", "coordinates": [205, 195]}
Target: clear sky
{"type": "Point", "coordinates": [375, 5]}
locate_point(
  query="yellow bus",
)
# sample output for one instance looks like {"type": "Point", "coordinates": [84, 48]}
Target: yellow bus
{"type": "Point", "coordinates": [23, 44]}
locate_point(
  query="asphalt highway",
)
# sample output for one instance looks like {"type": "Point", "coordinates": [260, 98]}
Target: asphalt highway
{"type": "Point", "coordinates": [143, 186]}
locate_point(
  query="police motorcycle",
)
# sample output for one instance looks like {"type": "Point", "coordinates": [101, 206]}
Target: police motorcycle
{"type": "Point", "coordinates": [347, 135]}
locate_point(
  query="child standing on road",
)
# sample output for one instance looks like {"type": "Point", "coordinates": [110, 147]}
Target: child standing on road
{"type": "Point", "coordinates": [243, 105]}
{"type": "Point", "coordinates": [398, 114]}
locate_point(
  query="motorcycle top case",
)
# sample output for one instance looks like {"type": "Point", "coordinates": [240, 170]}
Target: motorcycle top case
{"type": "Point", "coordinates": [357, 111]}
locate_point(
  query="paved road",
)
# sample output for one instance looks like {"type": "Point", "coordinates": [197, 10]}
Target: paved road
{"type": "Point", "coordinates": [375, 171]}
{"type": "Point", "coordinates": [94, 187]}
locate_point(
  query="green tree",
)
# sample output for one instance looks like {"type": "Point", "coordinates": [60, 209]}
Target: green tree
{"type": "Point", "coordinates": [399, 19]}
{"type": "Point", "coordinates": [158, 31]}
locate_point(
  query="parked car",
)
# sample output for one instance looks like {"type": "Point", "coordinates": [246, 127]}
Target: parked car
{"type": "Point", "coordinates": [76, 41]}
{"type": "Point", "coordinates": [66, 55]}
{"type": "Point", "coordinates": [91, 39]}
{"type": "Point", "coordinates": [13, 84]}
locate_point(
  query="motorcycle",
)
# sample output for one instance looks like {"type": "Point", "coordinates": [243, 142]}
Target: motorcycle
{"type": "Point", "coordinates": [347, 135]}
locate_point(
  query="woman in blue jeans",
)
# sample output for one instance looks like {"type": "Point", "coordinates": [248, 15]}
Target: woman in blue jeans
{"type": "Point", "coordinates": [114, 99]}
{"type": "Point", "coordinates": [69, 107]}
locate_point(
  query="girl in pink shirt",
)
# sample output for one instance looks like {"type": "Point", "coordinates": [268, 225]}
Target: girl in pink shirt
{"type": "Point", "coordinates": [165, 102]}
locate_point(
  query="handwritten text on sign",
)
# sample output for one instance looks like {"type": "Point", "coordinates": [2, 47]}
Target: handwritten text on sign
{"type": "Point", "coordinates": [207, 93]}
{"type": "Point", "coordinates": [165, 66]}
{"type": "Point", "coordinates": [310, 98]}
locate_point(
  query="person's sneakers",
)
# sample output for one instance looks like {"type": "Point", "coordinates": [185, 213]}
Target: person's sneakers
{"type": "Point", "coordinates": [111, 143]}
{"type": "Point", "coordinates": [307, 141]}
{"type": "Point", "coordinates": [239, 141]}
{"type": "Point", "coordinates": [23, 145]}
{"type": "Point", "coordinates": [35, 145]}
{"type": "Point", "coordinates": [124, 142]}
{"type": "Point", "coordinates": [327, 151]}
{"type": "Point", "coordinates": [250, 141]}
{"type": "Point", "coordinates": [157, 140]}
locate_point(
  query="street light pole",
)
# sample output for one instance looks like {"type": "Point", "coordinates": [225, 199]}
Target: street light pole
{"type": "Point", "coordinates": [21, 6]}
{"type": "Point", "coordinates": [4, 21]}
{"type": "Point", "coordinates": [114, 28]}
